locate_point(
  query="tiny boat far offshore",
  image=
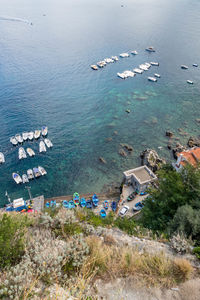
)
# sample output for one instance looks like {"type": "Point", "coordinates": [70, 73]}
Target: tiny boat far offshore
{"type": "Point", "coordinates": [42, 170]}
{"type": "Point", "coordinates": [30, 152]}
{"type": "Point", "coordinates": [48, 143]}
{"type": "Point", "coordinates": [42, 147]}
{"type": "Point", "coordinates": [44, 130]}
{"type": "Point", "coordinates": [16, 178]}
{"type": "Point", "coordinates": [30, 174]}
{"type": "Point", "coordinates": [25, 178]}
{"type": "Point", "coordinates": [150, 49]}
{"type": "Point", "coordinates": [22, 153]}
{"type": "Point", "coordinates": [13, 141]}
{"type": "Point", "coordinates": [2, 158]}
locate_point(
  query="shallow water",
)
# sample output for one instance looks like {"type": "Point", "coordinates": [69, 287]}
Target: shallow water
{"type": "Point", "coordinates": [45, 79]}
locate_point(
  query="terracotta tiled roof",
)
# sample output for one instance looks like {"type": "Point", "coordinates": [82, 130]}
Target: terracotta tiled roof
{"type": "Point", "coordinates": [191, 156]}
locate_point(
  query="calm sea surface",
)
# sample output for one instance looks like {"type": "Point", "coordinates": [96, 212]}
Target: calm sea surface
{"type": "Point", "coordinates": [45, 79]}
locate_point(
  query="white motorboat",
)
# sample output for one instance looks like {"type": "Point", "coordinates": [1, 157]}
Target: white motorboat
{"type": "Point", "coordinates": [25, 178]}
{"type": "Point", "coordinates": [2, 158]}
{"type": "Point", "coordinates": [44, 130]}
{"type": "Point", "coordinates": [124, 54]}
{"type": "Point", "coordinates": [48, 143]}
{"type": "Point", "coordinates": [190, 81]}
{"type": "Point", "coordinates": [30, 174]}
{"type": "Point", "coordinates": [101, 64]}
{"type": "Point", "coordinates": [22, 153]}
{"type": "Point", "coordinates": [157, 75]}
{"type": "Point", "coordinates": [115, 58]}
{"type": "Point", "coordinates": [37, 134]}
{"type": "Point", "coordinates": [30, 135]}
{"type": "Point", "coordinates": [108, 60]}
{"type": "Point", "coordinates": [150, 49]}
{"type": "Point", "coordinates": [19, 138]}
{"type": "Point", "coordinates": [153, 79]}
{"type": "Point", "coordinates": [13, 141]}
{"type": "Point", "coordinates": [36, 172]}
{"type": "Point", "coordinates": [184, 67]}
{"type": "Point", "coordinates": [129, 73]}
{"type": "Point", "coordinates": [25, 136]}
{"type": "Point", "coordinates": [42, 170]}
{"type": "Point", "coordinates": [17, 178]}
{"type": "Point", "coordinates": [30, 152]}
{"type": "Point", "coordinates": [42, 147]}
{"type": "Point", "coordinates": [94, 67]}
{"type": "Point", "coordinates": [143, 67]}
{"type": "Point", "coordinates": [134, 52]}
{"type": "Point", "coordinates": [148, 65]}
{"type": "Point", "coordinates": [121, 75]}
{"type": "Point", "coordinates": [153, 63]}
{"type": "Point", "coordinates": [139, 71]}
{"type": "Point", "coordinates": [195, 65]}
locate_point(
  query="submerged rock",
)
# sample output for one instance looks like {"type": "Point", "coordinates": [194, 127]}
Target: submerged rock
{"type": "Point", "coordinates": [102, 160]}
{"type": "Point", "coordinates": [198, 120]}
{"type": "Point", "coordinates": [127, 147]}
{"type": "Point", "coordinates": [151, 159]}
{"type": "Point", "coordinates": [169, 133]}
{"type": "Point", "coordinates": [122, 152]}
{"type": "Point", "coordinates": [128, 111]}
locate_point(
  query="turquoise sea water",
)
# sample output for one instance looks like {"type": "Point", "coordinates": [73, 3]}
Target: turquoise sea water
{"type": "Point", "coordinates": [45, 79]}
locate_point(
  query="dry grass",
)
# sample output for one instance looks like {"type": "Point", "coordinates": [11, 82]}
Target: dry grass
{"type": "Point", "coordinates": [110, 261]}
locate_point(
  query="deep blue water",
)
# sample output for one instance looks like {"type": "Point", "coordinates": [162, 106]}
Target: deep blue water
{"type": "Point", "coordinates": [45, 79]}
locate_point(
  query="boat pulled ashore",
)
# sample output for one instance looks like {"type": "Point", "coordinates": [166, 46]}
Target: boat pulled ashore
{"type": "Point", "coordinates": [25, 136]}
{"type": "Point", "coordinates": [42, 147]}
{"type": "Point", "coordinates": [2, 158]}
{"type": "Point", "coordinates": [37, 134]}
{"type": "Point", "coordinates": [48, 143]}
{"type": "Point", "coordinates": [25, 178]}
{"type": "Point", "coordinates": [124, 54]}
{"type": "Point", "coordinates": [42, 170]}
{"type": "Point", "coordinates": [17, 178]}
{"type": "Point", "coordinates": [30, 174]}
{"type": "Point", "coordinates": [30, 152]}
{"type": "Point", "coordinates": [44, 130]}
{"type": "Point", "coordinates": [22, 153]}
{"type": "Point", "coordinates": [36, 172]}
{"type": "Point", "coordinates": [19, 138]}
{"type": "Point", "coordinates": [13, 141]}
{"type": "Point", "coordinates": [150, 49]}
{"type": "Point", "coordinates": [153, 79]}
{"type": "Point", "coordinates": [30, 135]}
{"type": "Point", "coordinates": [94, 67]}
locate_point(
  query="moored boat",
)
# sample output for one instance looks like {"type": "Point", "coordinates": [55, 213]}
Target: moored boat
{"type": "Point", "coordinates": [134, 52]}
{"type": "Point", "coordinates": [22, 153]}
{"type": "Point", "coordinates": [2, 158]}
{"type": "Point", "coordinates": [190, 82]}
{"type": "Point", "coordinates": [124, 54]}
{"type": "Point", "coordinates": [30, 135]}
{"type": "Point", "coordinates": [153, 79]}
{"type": "Point", "coordinates": [19, 138]}
{"type": "Point", "coordinates": [108, 60]}
{"type": "Point", "coordinates": [184, 67]}
{"type": "Point", "coordinates": [25, 136]}
{"type": "Point", "coordinates": [25, 178]}
{"type": "Point", "coordinates": [150, 49]}
{"type": "Point", "coordinates": [42, 170]}
{"type": "Point", "coordinates": [94, 67]}
{"type": "Point", "coordinates": [101, 64]}
{"type": "Point", "coordinates": [48, 143]}
{"type": "Point", "coordinates": [42, 147]}
{"type": "Point", "coordinates": [115, 58]}
{"type": "Point", "coordinates": [44, 130]}
{"type": "Point", "coordinates": [143, 67]}
{"type": "Point", "coordinates": [153, 63]}
{"type": "Point", "coordinates": [157, 75]}
{"type": "Point", "coordinates": [121, 75]}
{"type": "Point", "coordinates": [195, 65]}
{"type": "Point", "coordinates": [17, 178]}
{"type": "Point", "coordinates": [36, 172]}
{"type": "Point", "coordinates": [37, 134]}
{"type": "Point", "coordinates": [30, 174]}
{"type": "Point", "coordinates": [30, 152]}
{"type": "Point", "coordinates": [139, 71]}
{"type": "Point", "coordinates": [13, 141]}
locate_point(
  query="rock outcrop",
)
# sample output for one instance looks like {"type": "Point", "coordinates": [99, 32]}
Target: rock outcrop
{"type": "Point", "coordinates": [177, 149]}
{"type": "Point", "coordinates": [151, 159]}
{"type": "Point", "coordinates": [192, 142]}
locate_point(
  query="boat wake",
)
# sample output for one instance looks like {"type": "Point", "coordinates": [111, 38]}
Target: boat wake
{"type": "Point", "coordinates": [4, 18]}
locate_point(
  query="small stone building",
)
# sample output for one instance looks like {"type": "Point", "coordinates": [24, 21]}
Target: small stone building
{"type": "Point", "coordinates": [139, 178]}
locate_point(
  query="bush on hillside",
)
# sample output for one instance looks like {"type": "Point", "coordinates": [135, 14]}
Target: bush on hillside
{"type": "Point", "coordinates": [180, 244]}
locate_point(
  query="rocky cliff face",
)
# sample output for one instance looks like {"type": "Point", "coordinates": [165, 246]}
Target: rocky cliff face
{"type": "Point", "coordinates": [151, 159]}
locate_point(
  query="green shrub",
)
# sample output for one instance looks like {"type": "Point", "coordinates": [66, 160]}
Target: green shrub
{"type": "Point", "coordinates": [196, 251]}
{"type": "Point", "coordinates": [12, 229]}
{"type": "Point", "coordinates": [127, 225]}
{"type": "Point", "coordinates": [72, 228]}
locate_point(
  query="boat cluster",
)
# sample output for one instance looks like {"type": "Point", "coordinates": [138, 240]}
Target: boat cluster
{"type": "Point", "coordinates": [28, 136]}
{"type": "Point", "coordinates": [184, 67]}
{"type": "Point", "coordinates": [140, 70]}
{"type": "Point", "coordinates": [42, 148]}
{"type": "Point", "coordinates": [30, 174]}
{"type": "Point", "coordinates": [112, 59]}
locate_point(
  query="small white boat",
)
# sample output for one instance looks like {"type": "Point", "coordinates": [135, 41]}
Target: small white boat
{"type": "Point", "coordinates": [37, 134]}
{"type": "Point", "coordinates": [36, 172]}
{"type": "Point", "coordinates": [184, 67]}
{"type": "Point", "coordinates": [19, 138]}
{"type": "Point", "coordinates": [153, 63]}
{"type": "Point", "coordinates": [121, 75]}
{"type": "Point", "coordinates": [101, 64]}
{"type": "Point", "coordinates": [94, 67]}
{"type": "Point", "coordinates": [129, 73]}
{"type": "Point", "coordinates": [30, 152]}
{"type": "Point", "coordinates": [152, 79]}
{"type": "Point", "coordinates": [42, 147]}
{"type": "Point", "coordinates": [150, 49]}
{"type": "Point", "coordinates": [42, 170]}
{"type": "Point", "coordinates": [30, 135]}
{"type": "Point", "coordinates": [25, 136]}
{"type": "Point", "coordinates": [30, 174]}
{"type": "Point", "coordinates": [124, 54]}
{"type": "Point", "coordinates": [25, 178]}
{"type": "Point", "coordinates": [44, 130]}
{"type": "Point", "coordinates": [148, 65]}
{"type": "Point", "coordinates": [17, 178]}
{"type": "Point", "coordinates": [134, 52]}
{"type": "Point", "coordinates": [109, 60]}
{"type": "Point", "coordinates": [143, 67]}
{"type": "Point", "coordinates": [195, 65]}
{"type": "Point", "coordinates": [13, 141]}
{"type": "Point", "coordinates": [22, 153]}
{"type": "Point", "coordinates": [157, 75]}
{"type": "Point", "coordinates": [115, 58]}
{"type": "Point", "coordinates": [190, 82]}
{"type": "Point", "coordinates": [2, 158]}
{"type": "Point", "coordinates": [48, 143]}
{"type": "Point", "coordinates": [139, 71]}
